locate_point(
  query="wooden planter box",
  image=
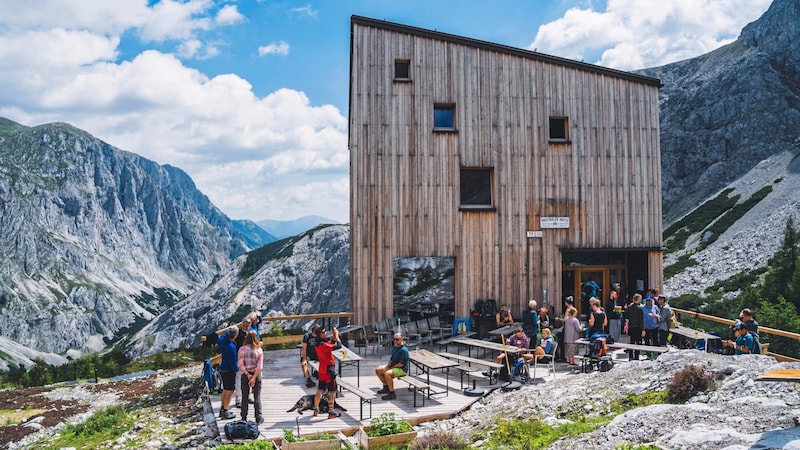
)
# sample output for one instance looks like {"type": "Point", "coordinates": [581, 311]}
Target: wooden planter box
{"type": "Point", "coordinates": [367, 442]}
{"type": "Point", "coordinates": [311, 445]}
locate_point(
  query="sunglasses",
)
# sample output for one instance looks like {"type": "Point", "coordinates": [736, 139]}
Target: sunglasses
{"type": "Point", "coordinates": [398, 339]}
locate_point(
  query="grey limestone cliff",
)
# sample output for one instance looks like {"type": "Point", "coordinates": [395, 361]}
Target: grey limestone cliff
{"type": "Point", "coordinates": [96, 240]}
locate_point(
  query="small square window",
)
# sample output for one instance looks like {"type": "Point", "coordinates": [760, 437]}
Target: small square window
{"type": "Point", "coordinates": [476, 187]}
{"type": "Point", "coordinates": [559, 129]}
{"type": "Point", "coordinates": [443, 117]}
{"type": "Point", "coordinates": [402, 69]}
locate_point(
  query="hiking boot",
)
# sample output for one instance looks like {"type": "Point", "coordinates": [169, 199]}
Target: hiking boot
{"type": "Point", "coordinates": [238, 404]}
{"type": "Point", "coordinates": [333, 414]}
{"type": "Point", "coordinates": [390, 396]}
{"type": "Point", "coordinates": [260, 420]}
{"type": "Point", "coordinates": [227, 415]}
{"type": "Point", "coordinates": [310, 382]}
{"type": "Point", "coordinates": [384, 390]}
{"type": "Point", "coordinates": [316, 412]}
{"type": "Point", "coordinates": [486, 373]}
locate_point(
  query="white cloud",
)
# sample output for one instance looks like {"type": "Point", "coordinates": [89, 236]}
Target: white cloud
{"type": "Point", "coordinates": [228, 15]}
{"type": "Point", "coordinates": [274, 48]}
{"type": "Point", "coordinates": [305, 11]}
{"type": "Point", "coordinates": [634, 34]}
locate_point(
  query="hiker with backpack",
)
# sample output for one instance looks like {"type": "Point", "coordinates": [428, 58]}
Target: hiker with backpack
{"type": "Point", "coordinates": [746, 316]}
{"type": "Point", "coordinates": [744, 344]}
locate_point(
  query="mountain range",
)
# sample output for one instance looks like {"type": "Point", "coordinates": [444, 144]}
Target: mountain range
{"type": "Point", "coordinates": [102, 245]}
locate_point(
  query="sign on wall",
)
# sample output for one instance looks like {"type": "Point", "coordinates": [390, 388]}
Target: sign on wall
{"type": "Point", "coordinates": [554, 222]}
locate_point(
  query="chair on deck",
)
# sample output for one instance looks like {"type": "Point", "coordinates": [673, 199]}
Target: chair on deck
{"type": "Point", "coordinates": [548, 361]}
{"type": "Point", "coordinates": [410, 331]}
{"type": "Point", "coordinates": [425, 334]}
{"type": "Point", "coordinates": [383, 328]}
{"type": "Point", "coordinates": [436, 327]}
{"type": "Point", "coordinates": [372, 338]}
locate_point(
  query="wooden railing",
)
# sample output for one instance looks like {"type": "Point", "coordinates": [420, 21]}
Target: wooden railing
{"type": "Point", "coordinates": [761, 330]}
{"type": "Point", "coordinates": [294, 338]}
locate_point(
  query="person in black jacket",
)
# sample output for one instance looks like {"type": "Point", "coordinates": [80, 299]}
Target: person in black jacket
{"type": "Point", "coordinates": [634, 315]}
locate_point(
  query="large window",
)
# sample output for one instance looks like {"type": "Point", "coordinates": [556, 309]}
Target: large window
{"type": "Point", "coordinates": [444, 117]}
{"type": "Point", "coordinates": [559, 129]}
{"type": "Point", "coordinates": [476, 188]}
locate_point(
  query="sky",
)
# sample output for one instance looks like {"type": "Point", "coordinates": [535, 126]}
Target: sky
{"type": "Point", "coordinates": [250, 97]}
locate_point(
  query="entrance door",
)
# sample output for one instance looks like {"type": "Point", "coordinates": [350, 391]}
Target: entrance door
{"type": "Point", "coordinates": [592, 284]}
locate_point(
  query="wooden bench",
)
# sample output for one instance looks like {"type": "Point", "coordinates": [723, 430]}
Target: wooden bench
{"type": "Point", "coordinates": [416, 385]}
{"type": "Point", "coordinates": [491, 365]}
{"type": "Point", "coordinates": [363, 395]}
{"type": "Point", "coordinates": [447, 341]}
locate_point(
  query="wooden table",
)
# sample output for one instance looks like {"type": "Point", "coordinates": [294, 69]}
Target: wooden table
{"type": "Point", "coordinates": [347, 357]}
{"type": "Point", "coordinates": [624, 346]}
{"type": "Point", "coordinates": [504, 331]}
{"type": "Point", "coordinates": [427, 361]}
{"type": "Point", "coordinates": [781, 375]}
{"type": "Point", "coordinates": [478, 343]}
{"type": "Point", "coordinates": [693, 335]}
{"type": "Point", "coordinates": [352, 329]}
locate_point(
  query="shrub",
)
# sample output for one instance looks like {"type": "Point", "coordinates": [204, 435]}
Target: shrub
{"type": "Point", "coordinates": [261, 444]}
{"type": "Point", "coordinates": [689, 381]}
{"type": "Point", "coordinates": [388, 423]}
{"type": "Point", "coordinates": [440, 440]}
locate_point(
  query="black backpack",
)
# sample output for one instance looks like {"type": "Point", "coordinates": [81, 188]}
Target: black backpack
{"type": "Point", "coordinates": [597, 349]}
{"type": "Point", "coordinates": [241, 429]}
{"type": "Point", "coordinates": [489, 308]}
{"type": "Point", "coordinates": [477, 308]}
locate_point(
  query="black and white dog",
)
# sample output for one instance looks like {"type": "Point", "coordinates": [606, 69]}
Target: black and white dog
{"type": "Point", "coordinates": [306, 402]}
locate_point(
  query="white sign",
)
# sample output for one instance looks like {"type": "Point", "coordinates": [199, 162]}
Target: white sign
{"type": "Point", "coordinates": [554, 222]}
{"type": "Point", "coordinates": [534, 234]}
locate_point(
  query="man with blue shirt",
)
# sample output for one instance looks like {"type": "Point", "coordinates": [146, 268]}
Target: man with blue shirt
{"type": "Point", "coordinates": [228, 368]}
{"type": "Point", "coordinates": [397, 367]}
{"type": "Point", "coordinates": [744, 340]}
{"type": "Point", "coordinates": [650, 322]}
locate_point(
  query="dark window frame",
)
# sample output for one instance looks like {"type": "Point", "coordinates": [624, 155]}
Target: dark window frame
{"type": "Point", "coordinates": [444, 107]}
{"type": "Point", "coordinates": [398, 63]}
{"type": "Point", "coordinates": [561, 125]}
{"type": "Point", "coordinates": [471, 200]}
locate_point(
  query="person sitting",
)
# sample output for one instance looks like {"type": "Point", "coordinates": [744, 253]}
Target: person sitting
{"type": "Point", "coordinates": [518, 339]}
{"type": "Point", "coordinates": [309, 352]}
{"type": "Point", "coordinates": [397, 367]}
{"type": "Point", "coordinates": [503, 318]}
{"type": "Point", "coordinates": [544, 348]}
{"type": "Point", "coordinates": [744, 343]}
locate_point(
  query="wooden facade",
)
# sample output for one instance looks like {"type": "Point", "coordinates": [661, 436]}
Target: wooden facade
{"type": "Point", "coordinates": [405, 176]}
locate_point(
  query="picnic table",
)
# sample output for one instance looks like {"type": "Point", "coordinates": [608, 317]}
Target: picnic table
{"type": "Point", "coordinates": [505, 331]}
{"type": "Point", "coordinates": [426, 361]}
{"type": "Point", "coordinates": [693, 335]}
{"type": "Point", "coordinates": [347, 357]}
{"type": "Point", "coordinates": [625, 346]}
{"type": "Point", "coordinates": [487, 345]}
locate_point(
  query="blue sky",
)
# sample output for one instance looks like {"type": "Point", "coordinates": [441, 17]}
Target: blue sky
{"type": "Point", "coordinates": [250, 97]}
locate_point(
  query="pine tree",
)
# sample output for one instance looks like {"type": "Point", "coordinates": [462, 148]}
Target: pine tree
{"type": "Point", "coordinates": [783, 265]}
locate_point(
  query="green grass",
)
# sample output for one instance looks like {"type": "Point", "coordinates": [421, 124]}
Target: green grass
{"type": "Point", "coordinates": [535, 434]}
{"type": "Point", "coordinates": [255, 445]}
{"type": "Point", "coordinates": [104, 425]}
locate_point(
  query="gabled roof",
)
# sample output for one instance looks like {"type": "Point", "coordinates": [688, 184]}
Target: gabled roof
{"type": "Point", "coordinates": [422, 32]}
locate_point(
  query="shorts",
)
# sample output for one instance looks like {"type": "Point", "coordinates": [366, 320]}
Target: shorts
{"type": "Point", "coordinates": [397, 372]}
{"type": "Point", "coordinates": [228, 380]}
{"type": "Point", "coordinates": [329, 386]}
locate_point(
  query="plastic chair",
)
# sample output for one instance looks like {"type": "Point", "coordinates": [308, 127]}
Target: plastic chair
{"type": "Point", "coordinates": [548, 360]}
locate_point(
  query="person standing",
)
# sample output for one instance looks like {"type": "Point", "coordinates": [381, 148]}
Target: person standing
{"type": "Point", "coordinates": [746, 316]}
{"type": "Point", "coordinates": [397, 367]}
{"type": "Point", "coordinates": [228, 368]}
{"type": "Point", "coordinates": [573, 330]}
{"type": "Point", "coordinates": [614, 314]}
{"type": "Point", "coordinates": [744, 340]}
{"type": "Point", "coordinates": [650, 322]}
{"type": "Point", "coordinates": [664, 314]}
{"type": "Point", "coordinates": [251, 362]}
{"type": "Point", "coordinates": [327, 366]}
{"type": "Point", "coordinates": [530, 320]}
{"type": "Point", "coordinates": [597, 318]}
{"type": "Point", "coordinates": [244, 327]}
{"type": "Point", "coordinates": [635, 317]}
{"type": "Point", "coordinates": [309, 352]}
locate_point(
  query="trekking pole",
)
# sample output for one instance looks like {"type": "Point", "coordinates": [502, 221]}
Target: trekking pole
{"type": "Point", "coordinates": [508, 366]}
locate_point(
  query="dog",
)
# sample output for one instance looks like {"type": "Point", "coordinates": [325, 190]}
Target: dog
{"type": "Point", "coordinates": [306, 402]}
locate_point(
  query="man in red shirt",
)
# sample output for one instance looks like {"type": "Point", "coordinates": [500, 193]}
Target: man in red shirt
{"type": "Point", "coordinates": [325, 348]}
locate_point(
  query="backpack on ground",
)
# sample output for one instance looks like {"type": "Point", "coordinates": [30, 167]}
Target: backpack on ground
{"type": "Point", "coordinates": [605, 364]}
{"type": "Point", "coordinates": [489, 308]}
{"type": "Point", "coordinates": [241, 429]}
